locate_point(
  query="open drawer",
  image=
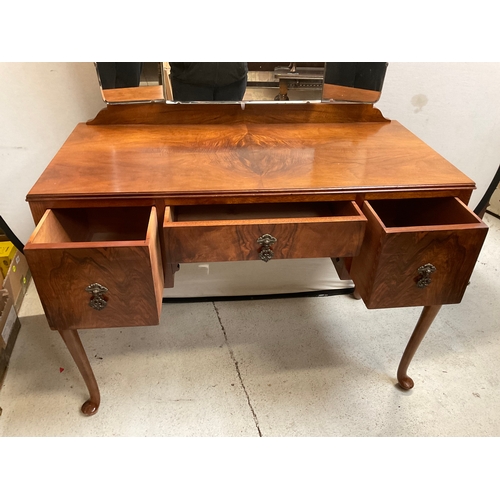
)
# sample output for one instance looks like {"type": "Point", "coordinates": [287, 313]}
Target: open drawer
{"type": "Point", "coordinates": [219, 233]}
{"type": "Point", "coordinates": [417, 252]}
{"type": "Point", "coordinates": [97, 267]}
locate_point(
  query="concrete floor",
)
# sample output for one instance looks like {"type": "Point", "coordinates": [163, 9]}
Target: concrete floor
{"type": "Point", "coordinates": [287, 367]}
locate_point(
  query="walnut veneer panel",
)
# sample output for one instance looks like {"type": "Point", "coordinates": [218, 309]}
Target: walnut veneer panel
{"type": "Point", "coordinates": [446, 235]}
{"type": "Point", "coordinates": [243, 159]}
{"type": "Point", "coordinates": [213, 114]}
{"type": "Point", "coordinates": [224, 239]}
{"type": "Point", "coordinates": [66, 254]}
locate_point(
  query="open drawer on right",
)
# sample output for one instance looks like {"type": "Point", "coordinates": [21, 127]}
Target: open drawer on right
{"type": "Point", "coordinates": [417, 252]}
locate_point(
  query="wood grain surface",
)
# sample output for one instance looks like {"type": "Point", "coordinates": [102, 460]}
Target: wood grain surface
{"type": "Point", "coordinates": [232, 114]}
{"type": "Point", "coordinates": [243, 160]}
{"type": "Point", "coordinates": [225, 236]}
{"type": "Point", "coordinates": [386, 269]}
{"type": "Point", "coordinates": [65, 256]}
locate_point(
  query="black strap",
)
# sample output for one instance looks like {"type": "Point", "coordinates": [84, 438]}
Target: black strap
{"type": "Point", "coordinates": [12, 237]}
{"type": "Point", "coordinates": [489, 193]}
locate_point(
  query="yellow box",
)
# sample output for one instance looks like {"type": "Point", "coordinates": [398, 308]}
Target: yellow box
{"type": "Point", "coordinates": [7, 252]}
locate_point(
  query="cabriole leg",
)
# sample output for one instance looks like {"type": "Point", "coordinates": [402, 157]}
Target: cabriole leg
{"type": "Point", "coordinates": [423, 324]}
{"type": "Point", "coordinates": [77, 351]}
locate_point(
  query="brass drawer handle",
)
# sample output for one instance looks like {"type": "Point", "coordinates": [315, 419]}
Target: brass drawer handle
{"type": "Point", "coordinates": [97, 301]}
{"type": "Point", "coordinates": [266, 240]}
{"type": "Point", "coordinates": [425, 275]}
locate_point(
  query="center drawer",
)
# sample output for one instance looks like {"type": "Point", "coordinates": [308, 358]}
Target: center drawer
{"type": "Point", "coordinates": [97, 267]}
{"type": "Point", "coordinates": [219, 233]}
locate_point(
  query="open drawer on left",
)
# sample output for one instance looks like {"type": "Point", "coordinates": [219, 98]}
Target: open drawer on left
{"type": "Point", "coordinates": [97, 267]}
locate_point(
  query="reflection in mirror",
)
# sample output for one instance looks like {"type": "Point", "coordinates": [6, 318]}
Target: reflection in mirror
{"type": "Point", "coordinates": [208, 81]}
{"type": "Point", "coordinates": [254, 82]}
{"type": "Point", "coordinates": [234, 82]}
{"type": "Point", "coordinates": [354, 81]}
{"type": "Point", "coordinates": [130, 81]}
{"type": "Point", "coordinates": [285, 81]}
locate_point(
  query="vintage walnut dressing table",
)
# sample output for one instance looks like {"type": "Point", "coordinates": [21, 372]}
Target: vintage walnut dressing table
{"type": "Point", "coordinates": [143, 188]}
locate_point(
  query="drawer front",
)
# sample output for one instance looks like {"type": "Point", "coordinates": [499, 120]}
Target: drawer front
{"type": "Point", "coordinates": [274, 232]}
{"type": "Point", "coordinates": [417, 265]}
{"type": "Point", "coordinates": [129, 270]}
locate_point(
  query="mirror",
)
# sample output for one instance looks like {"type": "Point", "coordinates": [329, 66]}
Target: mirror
{"type": "Point", "coordinates": [353, 81]}
{"type": "Point", "coordinates": [248, 82]}
{"type": "Point", "coordinates": [129, 82]}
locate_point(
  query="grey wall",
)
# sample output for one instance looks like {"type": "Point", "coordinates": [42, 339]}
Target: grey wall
{"type": "Point", "coordinates": [453, 107]}
{"type": "Point", "coordinates": [40, 104]}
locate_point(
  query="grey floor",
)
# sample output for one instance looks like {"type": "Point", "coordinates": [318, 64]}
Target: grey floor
{"type": "Point", "coordinates": [286, 367]}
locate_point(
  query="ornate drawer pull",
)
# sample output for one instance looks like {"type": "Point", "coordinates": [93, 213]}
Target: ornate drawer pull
{"type": "Point", "coordinates": [266, 240]}
{"type": "Point", "coordinates": [425, 275]}
{"type": "Point", "coordinates": [97, 301]}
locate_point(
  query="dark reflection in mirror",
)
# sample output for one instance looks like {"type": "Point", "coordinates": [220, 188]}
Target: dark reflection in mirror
{"type": "Point", "coordinates": [354, 81]}
{"type": "Point", "coordinates": [118, 75]}
{"type": "Point", "coordinates": [130, 81]}
{"type": "Point", "coordinates": [208, 81]}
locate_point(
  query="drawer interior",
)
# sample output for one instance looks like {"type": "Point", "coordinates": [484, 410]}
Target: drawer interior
{"type": "Point", "coordinates": [93, 224]}
{"type": "Point", "coordinates": [263, 211]}
{"type": "Point", "coordinates": [422, 212]}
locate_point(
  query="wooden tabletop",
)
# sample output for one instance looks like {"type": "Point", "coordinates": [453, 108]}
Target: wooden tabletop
{"type": "Point", "coordinates": [243, 159]}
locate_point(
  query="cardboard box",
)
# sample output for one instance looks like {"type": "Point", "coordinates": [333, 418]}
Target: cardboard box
{"type": "Point", "coordinates": [12, 293]}
{"type": "Point", "coordinates": [7, 252]}
{"type": "Point", "coordinates": [17, 280]}
{"type": "Point", "coordinates": [9, 329]}
{"type": "Point", "coordinates": [4, 298]}
{"type": "Point", "coordinates": [8, 317]}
